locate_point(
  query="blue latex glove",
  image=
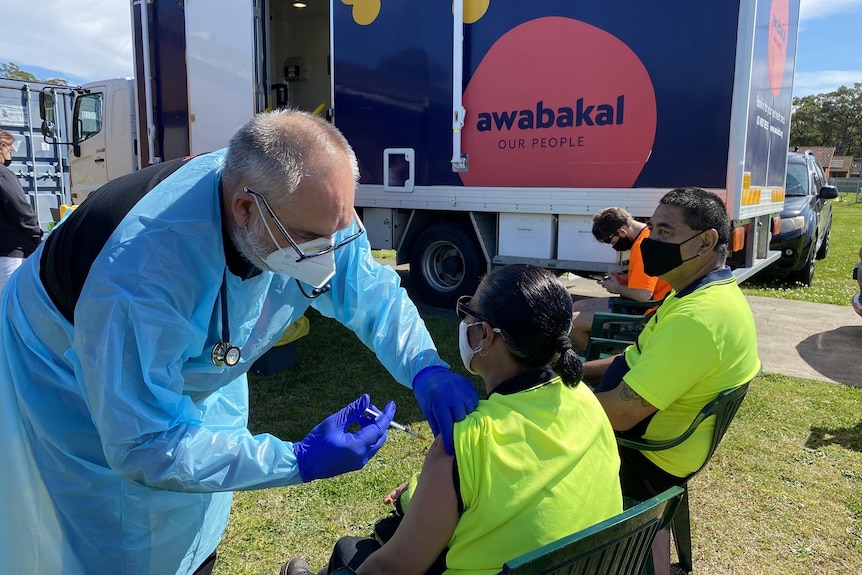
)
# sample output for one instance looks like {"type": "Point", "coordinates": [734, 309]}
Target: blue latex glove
{"type": "Point", "coordinates": [444, 398]}
{"type": "Point", "coordinates": [329, 449]}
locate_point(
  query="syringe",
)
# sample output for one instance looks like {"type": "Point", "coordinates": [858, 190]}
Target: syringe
{"type": "Point", "coordinates": [375, 414]}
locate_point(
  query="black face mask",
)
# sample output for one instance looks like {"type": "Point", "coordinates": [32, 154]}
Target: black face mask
{"type": "Point", "coordinates": [662, 257]}
{"type": "Point", "coordinates": [623, 244]}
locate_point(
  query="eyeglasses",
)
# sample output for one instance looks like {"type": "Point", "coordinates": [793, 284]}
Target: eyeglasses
{"type": "Point", "coordinates": [608, 239]}
{"type": "Point", "coordinates": [307, 255]}
{"type": "Point", "coordinates": [462, 311]}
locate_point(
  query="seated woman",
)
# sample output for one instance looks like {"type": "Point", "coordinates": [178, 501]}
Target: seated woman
{"type": "Point", "coordinates": [535, 462]}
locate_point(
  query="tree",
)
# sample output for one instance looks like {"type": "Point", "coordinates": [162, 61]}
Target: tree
{"type": "Point", "coordinates": [11, 71]}
{"type": "Point", "coordinates": [832, 119]}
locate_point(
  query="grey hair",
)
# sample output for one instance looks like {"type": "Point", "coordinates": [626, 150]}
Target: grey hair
{"type": "Point", "coordinates": [269, 152]}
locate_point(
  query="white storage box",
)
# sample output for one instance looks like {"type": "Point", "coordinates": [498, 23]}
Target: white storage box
{"type": "Point", "coordinates": [378, 226]}
{"type": "Point", "coordinates": [575, 242]}
{"type": "Point", "coordinates": [527, 235]}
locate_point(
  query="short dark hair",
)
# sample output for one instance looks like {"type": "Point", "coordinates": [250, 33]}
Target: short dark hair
{"type": "Point", "coordinates": [609, 220]}
{"type": "Point", "coordinates": [702, 210]}
{"type": "Point", "coordinates": [534, 311]}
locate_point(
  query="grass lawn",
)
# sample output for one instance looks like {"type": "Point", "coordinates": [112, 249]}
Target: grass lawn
{"type": "Point", "coordinates": [783, 494]}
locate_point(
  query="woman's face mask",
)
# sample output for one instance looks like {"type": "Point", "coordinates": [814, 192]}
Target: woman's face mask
{"type": "Point", "coordinates": [662, 257]}
{"type": "Point", "coordinates": [464, 348]}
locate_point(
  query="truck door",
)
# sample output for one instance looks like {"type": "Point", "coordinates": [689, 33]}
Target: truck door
{"type": "Point", "coordinates": [88, 166]}
{"type": "Point", "coordinates": [220, 56]}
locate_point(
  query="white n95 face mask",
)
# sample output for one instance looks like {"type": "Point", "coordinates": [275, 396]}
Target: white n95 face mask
{"type": "Point", "coordinates": [464, 348]}
{"type": "Point", "coordinates": [314, 271]}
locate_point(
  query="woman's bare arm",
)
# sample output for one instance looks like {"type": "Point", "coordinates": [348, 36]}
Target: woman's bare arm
{"type": "Point", "coordinates": [428, 523]}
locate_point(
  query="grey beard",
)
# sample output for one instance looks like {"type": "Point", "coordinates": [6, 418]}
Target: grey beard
{"type": "Point", "coordinates": [249, 245]}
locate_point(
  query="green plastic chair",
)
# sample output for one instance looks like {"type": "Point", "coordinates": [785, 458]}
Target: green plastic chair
{"type": "Point", "coordinates": [623, 305]}
{"type": "Point", "coordinates": [620, 545]}
{"type": "Point", "coordinates": [617, 546]}
{"type": "Point", "coordinates": [723, 408]}
{"type": "Point", "coordinates": [610, 333]}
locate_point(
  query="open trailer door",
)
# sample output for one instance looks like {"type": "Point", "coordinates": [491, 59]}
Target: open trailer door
{"type": "Point", "coordinates": [222, 62]}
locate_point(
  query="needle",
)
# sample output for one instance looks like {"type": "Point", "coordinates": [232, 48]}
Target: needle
{"type": "Point", "coordinates": [394, 425]}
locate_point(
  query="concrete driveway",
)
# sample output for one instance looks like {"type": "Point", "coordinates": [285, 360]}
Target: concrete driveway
{"type": "Point", "coordinates": [809, 340]}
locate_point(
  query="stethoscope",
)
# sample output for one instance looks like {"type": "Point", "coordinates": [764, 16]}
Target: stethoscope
{"type": "Point", "coordinates": [224, 352]}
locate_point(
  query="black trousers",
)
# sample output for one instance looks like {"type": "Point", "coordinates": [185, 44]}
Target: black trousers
{"type": "Point", "coordinates": [350, 551]}
{"type": "Point", "coordinates": [640, 478]}
{"type": "Point", "coordinates": [207, 566]}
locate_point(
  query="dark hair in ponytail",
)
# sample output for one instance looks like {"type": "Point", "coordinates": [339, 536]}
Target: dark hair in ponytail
{"type": "Point", "coordinates": [534, 311]}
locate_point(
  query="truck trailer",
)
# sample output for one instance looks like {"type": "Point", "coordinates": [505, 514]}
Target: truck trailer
{"type": "Point", "coordinates": [488, 132]}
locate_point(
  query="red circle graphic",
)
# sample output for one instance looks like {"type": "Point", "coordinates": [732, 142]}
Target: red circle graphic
{"type": "Point", "coordinates": [777, 52]}
{"type": "Point", "coordinates": [557, 102]}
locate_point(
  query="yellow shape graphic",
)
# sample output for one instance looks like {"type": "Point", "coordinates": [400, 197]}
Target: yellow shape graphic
{"type": "Point", "coordinates": [778, 195]}
{"type": "Point", "coordinates": [364, 11]}
{"type": "Point", "coordinates": [475, 9]}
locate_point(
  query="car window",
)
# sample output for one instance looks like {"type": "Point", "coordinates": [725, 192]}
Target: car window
{"type": "Point", "coordinates": [797, 180]}
{"type": "Point", "coordinates": [819, 178]}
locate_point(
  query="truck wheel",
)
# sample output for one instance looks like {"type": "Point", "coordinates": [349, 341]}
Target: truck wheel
{"type": "Point", "coordinates": [824, 246]}
{"type": "Point", "coordinates": [445, 263]}
{"type": "Point", "coordinates": [806, 275]}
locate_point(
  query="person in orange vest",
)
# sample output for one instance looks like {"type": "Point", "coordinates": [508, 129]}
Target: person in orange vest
{"type": "Point", "coordinates": [617, 227]}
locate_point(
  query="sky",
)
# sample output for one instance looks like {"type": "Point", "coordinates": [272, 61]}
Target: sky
{"type": "Point", "coordinates": [89, 41]}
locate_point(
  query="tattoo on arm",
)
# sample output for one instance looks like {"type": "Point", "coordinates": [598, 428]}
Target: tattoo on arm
{"type": "Point", "coordinates": [628, 394]}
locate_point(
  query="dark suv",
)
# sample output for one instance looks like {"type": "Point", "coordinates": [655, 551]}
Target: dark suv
{"type": "Point", "coordinates": [806, 221]}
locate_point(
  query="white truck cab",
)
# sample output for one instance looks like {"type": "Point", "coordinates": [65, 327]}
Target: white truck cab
{"type": "Point", "coordinates": [103, 127]}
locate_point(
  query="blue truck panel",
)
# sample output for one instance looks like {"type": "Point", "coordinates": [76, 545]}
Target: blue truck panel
{"type": "Point", "coordinates": [393, 86]}
{"type": "Point", "coordinates": [525, 62]}
{"type": "Point", "coordinates": [769, 118]}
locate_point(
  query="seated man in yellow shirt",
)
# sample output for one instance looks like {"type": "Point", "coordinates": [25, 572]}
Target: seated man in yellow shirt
{"type": "Point", "coordinates": [700, 342]}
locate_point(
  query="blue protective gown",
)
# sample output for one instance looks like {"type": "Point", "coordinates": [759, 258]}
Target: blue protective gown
{"type": "Point", "coordinates": [122, 442]}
